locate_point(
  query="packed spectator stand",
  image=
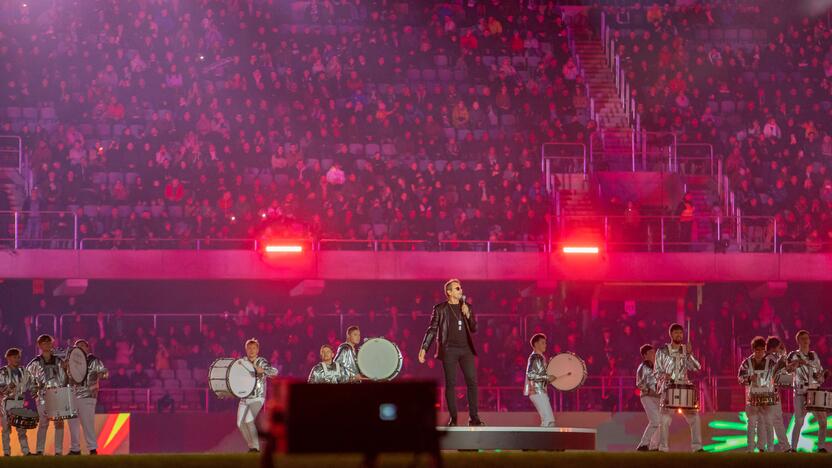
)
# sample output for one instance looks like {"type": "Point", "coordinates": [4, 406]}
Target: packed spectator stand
{"type": "Point", "coordinates": [343, 120]}
{"type": "Point", "coordinates": [753, 84]}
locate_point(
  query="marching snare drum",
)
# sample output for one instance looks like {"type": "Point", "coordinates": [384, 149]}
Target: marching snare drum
{"type": "Point", "coordinates": [77, 359]}
{"type": "Point", "coordinates": [763, 399]}
{"type": "Point", "coordinates": [680, 396]}
{"type": "Point", "coordinates": [59, 404]}
{"type": "Point", "coordinates": [569, 369]}
{"type": "Point", "coordinates": [379, 359]}
{"type": "Point", "coordinates": [229, 377]}
{"type": "Point", "coordinates": [818, 400]}
{"type": "Point", "coordinates": [784, 379]}
{"type": "Point", "coordinates": [22, 418]}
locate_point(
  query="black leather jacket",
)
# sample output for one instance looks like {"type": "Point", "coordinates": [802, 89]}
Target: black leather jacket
{"type": "Point", "coordinates": [438, 329]}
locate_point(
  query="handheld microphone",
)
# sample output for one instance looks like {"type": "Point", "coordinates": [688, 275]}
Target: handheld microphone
{"type": "Point", "coordinates": [463, 299]}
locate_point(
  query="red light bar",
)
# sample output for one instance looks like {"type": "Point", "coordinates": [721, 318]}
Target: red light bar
{"type": "Point", "coordinates": [284, 248]}
{"type": "Point", "coordinates": [580, 250]}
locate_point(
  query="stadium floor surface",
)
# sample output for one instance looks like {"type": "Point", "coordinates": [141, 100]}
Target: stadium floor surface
{"type": "Point", "coordinates": [451, 459]}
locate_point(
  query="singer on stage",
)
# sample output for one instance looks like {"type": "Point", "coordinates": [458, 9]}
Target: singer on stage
{"type": "Point", "coordinates": [451, 324]}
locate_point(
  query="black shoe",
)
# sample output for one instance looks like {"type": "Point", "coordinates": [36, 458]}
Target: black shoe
{"type": "Point", "coordinates": [93, 452]}
{"type": "Point", "coordinates": [36, 454]}
{"type": "Point", "coordinates": [653, 450]}
{"type": "Point", "coordinates": [643, 448]}
{"type": "Point", "coordinates": [822, 450]}
{"type": "Point", "coordinates": [74, 453]}
{"type": "Point", "coordinates": [700, 450]}
{"type": "Point", "coordinates": [451, 422]}
{"type": "Point", "coordinates": [790, 451]}
{"type": "Point", "coordinates": [475, 422]}
{"type": "Point", "coordinates": [253, 450]}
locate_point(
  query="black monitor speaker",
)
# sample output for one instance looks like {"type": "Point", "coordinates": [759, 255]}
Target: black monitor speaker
{"type": "Point", "coordinates": [369, 417]}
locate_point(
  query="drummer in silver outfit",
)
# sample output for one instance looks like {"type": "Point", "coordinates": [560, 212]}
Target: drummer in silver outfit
{"type": "Point", "coordinates": [327, 371]}
{"type": "Point", "coordinates": [649, 395]}
{"type": "Point", "coordinates": [347, 355]}
{"type": "Point", "coordinates": [47, 371]}
{"type": "Point", "coordinates": [809, 373]}
{"type": "Point", "coordinates": [757, 373]}
{"type": "Point", "coordinates": [537, 381]}
{"type": "Point", "coordinates": [86, 396]}
{"type": "Point", "coordinates": [250, 406]}
{"type": "Point", "coordinates": [673, 362]}
{"type": "Point", "coordinates": [777, 352]}
{"type": "Point", "coordinates": [11, 396]}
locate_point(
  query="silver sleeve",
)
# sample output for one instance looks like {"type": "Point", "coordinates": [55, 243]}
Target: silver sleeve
{"type": "Point", "coordinates": [345, 358]}
{"type": "Point", "coordinates": [268, 369]}
{"type": "Point", "coordinates": [817, 369]}
{"type": "Point", "coordinates": [693, 364]}
{"type": "Point", "coordinates": [535, 370]}
{"type": "Point", "coordinates": [744, 372]}
{"type": "Point", "coordinates": [643, 376]}
{"type": "Point", "coordinates": [97, 367]}
{"type": "Point", "coordinates": [661, 364]}
{"type": "Point", "coordinates": [35, 371]}
{"type": "Point", "coordinates": [5, 380]}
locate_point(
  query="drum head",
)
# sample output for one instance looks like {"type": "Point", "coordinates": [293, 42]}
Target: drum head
{"type": "Point", "coordinates": [241, 378]}
{"type": "Point", "coordinates": [379, 359]}
{"type": "Point", "coordinates": [569, 369]}
{"type": "Point", "coordinates": [77, 365]}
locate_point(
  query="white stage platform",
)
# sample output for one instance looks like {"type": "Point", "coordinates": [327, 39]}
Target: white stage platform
{"type": "Point", "coordinates": [516, 438]}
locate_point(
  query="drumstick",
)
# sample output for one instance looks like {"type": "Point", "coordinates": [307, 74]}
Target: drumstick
{"type": "Point", "coordinates": [564, 375]}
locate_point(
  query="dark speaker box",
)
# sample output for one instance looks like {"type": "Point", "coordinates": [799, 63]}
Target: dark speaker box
{"type": "Point", "coordinates": [370, 417]}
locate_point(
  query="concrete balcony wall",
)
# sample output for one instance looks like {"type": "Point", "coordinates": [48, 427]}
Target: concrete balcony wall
{"type": "Point", "coordinates": [479, 266]}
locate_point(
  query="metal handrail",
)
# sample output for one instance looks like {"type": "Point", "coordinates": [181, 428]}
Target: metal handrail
{"type": "Point", "coordinates": [103, 393]}
{"type": "Point", "coordinates": [622, 85]}
{"type": "Point", "coordinates": [372, 244]}
{"type": "Point", "coordinates": [197, 243]}
{"type": "Point", "coordinates": [491, 246]}
{"type": "Point", "coordinates": [607, 385]}
{"type": "Point", "coordinates": [710, 154]}
{"type": "Point", "coordinates": [737, 223]}
{"type": "Point", "coordinates": [546, 160]}
{"type": "Point", "coordinates": [603, 222]}
{"type": "Point", "coordinates": [17, 221]}
{"type": "Point", "coordinates": [821, 246]}
{"type": "Point", "coordinates": [58, 323]}
{"type": "Point", "coordinates": [635, 145]}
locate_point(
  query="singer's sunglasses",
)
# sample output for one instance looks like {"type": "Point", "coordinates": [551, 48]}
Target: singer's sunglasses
{"type": "Point", "coordinates": [458, 288]}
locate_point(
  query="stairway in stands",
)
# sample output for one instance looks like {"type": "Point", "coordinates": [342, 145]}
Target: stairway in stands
{"type": "Point", "coordinates": [11, 182]}
{"type": "Point", "coordinates": [580, 216]}
{"type": "Point", "coordinates": [608, 108]}
{"type": "Point", "coordinates": [11, 193]}
{"type": "Point", "coordinates": [702, 190]}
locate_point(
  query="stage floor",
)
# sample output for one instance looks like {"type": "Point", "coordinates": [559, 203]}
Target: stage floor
{"type": "Point", "coordinates": [451, 459]}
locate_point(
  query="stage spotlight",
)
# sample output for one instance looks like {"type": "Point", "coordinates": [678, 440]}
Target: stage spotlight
{"type": "Point", "coordinates": [586, 250]}
{"type": "Point", "coordinates": [284, 249]}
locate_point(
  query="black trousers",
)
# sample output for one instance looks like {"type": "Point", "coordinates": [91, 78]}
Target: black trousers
{"type": "Point", "coordinates": [467, 361]}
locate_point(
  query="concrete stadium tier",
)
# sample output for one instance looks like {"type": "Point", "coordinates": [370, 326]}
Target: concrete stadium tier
{"type": "Point", "coordinates": [478, 266]}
